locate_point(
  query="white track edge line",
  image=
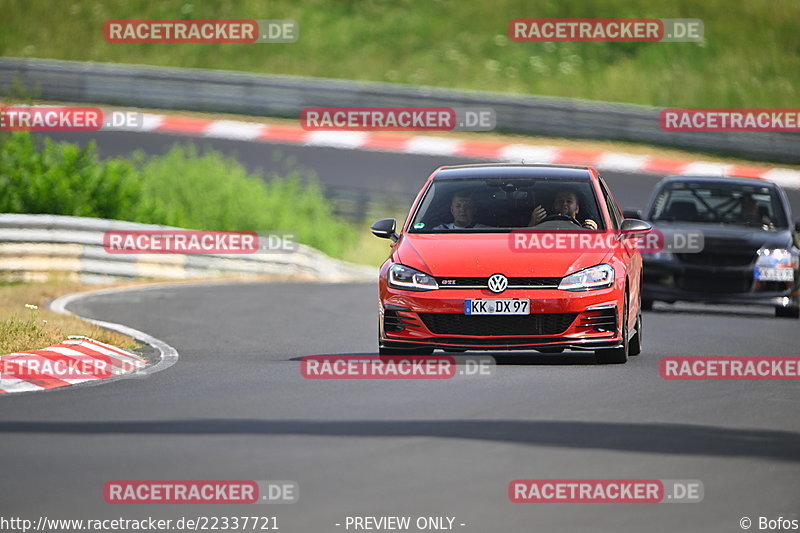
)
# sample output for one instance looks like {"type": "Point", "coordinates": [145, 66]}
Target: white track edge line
{"type": "Point", "coordinates": [168, 355]}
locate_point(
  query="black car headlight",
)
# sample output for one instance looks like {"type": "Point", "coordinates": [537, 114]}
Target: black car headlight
{"type": "Point", "coordinates": [776, 258]}
{"type": "Point", "coordinates": [403, 277]}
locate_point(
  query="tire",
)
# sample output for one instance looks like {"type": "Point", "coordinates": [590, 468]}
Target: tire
{"type": "Point", "coordinates": [787, 312]}
{"type": "Point", "coordinates": [617, 356]}
{"type": "Point", "coordinates": [647, 305]}
{"type": "Point", "coordinates": [635, 344]}
{"type": "Point", "coordinates": [405, 351]}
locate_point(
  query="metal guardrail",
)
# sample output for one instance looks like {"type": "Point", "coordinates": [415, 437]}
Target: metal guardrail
{"type": "Point", "coordinates": [364, 206]}
{"type": "Point", "coordinates": [32, 245]}
{"type": "Point", "coordinates": [285, 96]}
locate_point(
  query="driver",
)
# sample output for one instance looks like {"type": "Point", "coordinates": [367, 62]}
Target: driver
{"type": "Point", "coordinates": [566, 204]}
{"type": "Point", "coordinates": [750, 213]}
{"type": "Point", "coordinates": [463, 208]}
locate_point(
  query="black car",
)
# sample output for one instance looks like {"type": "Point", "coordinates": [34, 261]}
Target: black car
{"type": "Point", "coordinates": [750, 252]}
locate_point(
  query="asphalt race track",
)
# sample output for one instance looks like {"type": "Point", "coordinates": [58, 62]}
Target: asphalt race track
{"type": "Point", "coordinates": [236, 407]}
{"type": "Point", "coordinates": [373, 171]}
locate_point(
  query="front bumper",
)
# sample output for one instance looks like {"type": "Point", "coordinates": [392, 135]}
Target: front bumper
{"type": "Point", "coordinates": [585, 320]}
{"type": "Point", "coordinates": [672, 281]}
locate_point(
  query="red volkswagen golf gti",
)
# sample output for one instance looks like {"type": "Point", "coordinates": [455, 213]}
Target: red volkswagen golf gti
{"type": "Point", "coordinates": [505, 257]}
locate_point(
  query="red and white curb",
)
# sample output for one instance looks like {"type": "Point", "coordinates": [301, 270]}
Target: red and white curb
{"type": "Point", "coordinates": [442, 146]}
{"type": "Point", "coordinates": [123, 363]}
{"type": "Point", "coordinates": [35, 370]}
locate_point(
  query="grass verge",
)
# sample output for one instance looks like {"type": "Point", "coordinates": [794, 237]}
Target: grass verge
{"type": "Point", "coordinates": [750, 56]}
{"type": "Point", "coordinates": [27, 324]}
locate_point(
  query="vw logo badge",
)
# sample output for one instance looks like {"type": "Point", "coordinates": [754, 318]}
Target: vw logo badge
{"type": "Point", "coordinates": [498, 283]}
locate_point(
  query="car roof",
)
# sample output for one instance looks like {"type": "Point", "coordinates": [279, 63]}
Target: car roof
{"type": "Point", "coordinates": [722, 180]}
{"type": "Point", "coordinates": [510, 170]}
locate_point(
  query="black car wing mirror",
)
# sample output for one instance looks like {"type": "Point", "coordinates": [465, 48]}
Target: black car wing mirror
{"type": "Point", "coordinates": [385, 229]}
{"type": "Point", "coordinates": [632, 212]}
{"type": "Point", "coordinates": [633, 226]}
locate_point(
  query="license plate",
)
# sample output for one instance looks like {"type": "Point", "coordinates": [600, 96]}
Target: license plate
{"type": "Point", "coordinates": [774, 274]}
{"type": "Point", "coordinates": [497, 307]}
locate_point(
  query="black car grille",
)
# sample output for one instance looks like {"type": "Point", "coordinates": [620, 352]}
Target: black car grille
{"type": "Point", "coordinates": [715, 283]}
{"type": "Point", "coordinates": [533, 281]}
{"type": "Point", "coordinates": [392, 322]}
{"type": "Point", "coordinates": [487, 326]}
{"type": "Point", "coordinates": [717, 259]}
{"type": "Point", "coordinates": [484, 281]}
{"type": "Point", "coordinates": [773, 286]}
{"type": "Point", "coordinates": [601, 320]}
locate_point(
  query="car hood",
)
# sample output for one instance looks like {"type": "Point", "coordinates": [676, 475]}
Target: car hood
{"type": "Point", "coordinates": [476, 254]}
{"type": "Point", "coordinates": [717, 237]}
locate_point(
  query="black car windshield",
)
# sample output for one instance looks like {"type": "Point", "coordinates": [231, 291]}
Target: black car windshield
{"type": "Point", "coordinates": [502, 205]}
{"type": "Point", "coordinates": [747, 205]}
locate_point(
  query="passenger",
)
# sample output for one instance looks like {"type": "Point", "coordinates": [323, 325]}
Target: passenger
{"type": "Point", "coordinates": [463, 208]}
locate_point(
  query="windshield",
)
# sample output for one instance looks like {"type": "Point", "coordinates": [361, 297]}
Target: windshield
{"type": "Point", "coordinates": [747, 205]}
{"type": "Point", "coordinates": [498, 205]}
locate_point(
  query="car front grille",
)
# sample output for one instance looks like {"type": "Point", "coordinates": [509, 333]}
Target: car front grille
{"type": "Point", "coordinates": [488, 326]}
{"type": "Point", "coordinates": [532, 282]}
{"type": "Point", "coordinates": [715, 283]}
{"type": "Point", "coordinates": [717, 259]}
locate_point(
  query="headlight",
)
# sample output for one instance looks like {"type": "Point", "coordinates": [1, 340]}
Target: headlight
{"type": "Point", "coordinates": [403, 277]}
{"type": "Point", "coordinates": [776, 258]}
{"type": "Point", "coordinates": [596, 277]}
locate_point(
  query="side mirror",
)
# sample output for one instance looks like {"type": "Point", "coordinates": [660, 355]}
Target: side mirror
{"type": "Point", "coordinates": [385, 229]}
{"type": "Point", "coordinates": [633, 226]}
{"type": "Point", "coordinates": [632, 212]}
